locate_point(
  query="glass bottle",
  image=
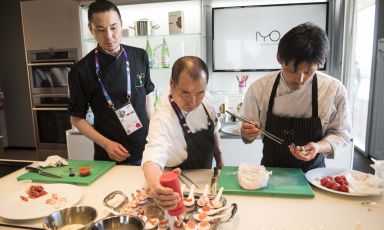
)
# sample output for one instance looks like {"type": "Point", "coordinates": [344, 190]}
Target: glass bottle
{"type": "Point", "coordinates": [148, 48]}
{"type": "Point", "coordinates": [157, 98]}
{"type": "Point", "coordinates": [164, 55]}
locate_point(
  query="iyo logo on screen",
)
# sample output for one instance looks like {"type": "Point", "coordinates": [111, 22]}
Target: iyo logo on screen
{"type": "Point", "coordinates": [268, 38]}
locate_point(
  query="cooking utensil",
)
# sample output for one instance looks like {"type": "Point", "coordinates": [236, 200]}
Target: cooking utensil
{"type": "Point", "coordinates": [119, 222]}
{"type": "Point", "coordinates": [214, 211]}
{"type": "Point", "coordinates": [266, 133]}
{"type": "Point", "coordinates": [289, 182]}
{"type": "Point", "coordinates": [214, 180]}
{"type": "Point", "coordinates": [41, 172]}
{"type": "Point", "coordinates": [77, 216]}
{"type": "Point", "coordinates": [144, 27]}
{"type": "Point", "coordinates": [189, 180]}
{"type": "Point", "coordinates": [98, 168]}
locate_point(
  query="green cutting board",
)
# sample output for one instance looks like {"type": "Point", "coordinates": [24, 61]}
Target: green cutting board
{"type": "Point", "coordinates": [98, 168]}
{"type": "Point", "coordinates": [282, 182]}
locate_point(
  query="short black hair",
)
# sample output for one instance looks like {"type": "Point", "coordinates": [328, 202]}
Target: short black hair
{"type": "Point", "coordinates": [194, 65]}
{"type": "Point", "coordinates": [304, 43]}
{"type": "Point", "coordinates": [100, 6]}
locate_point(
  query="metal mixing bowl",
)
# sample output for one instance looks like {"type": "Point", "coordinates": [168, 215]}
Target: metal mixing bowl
{"type": "Point", "coordinates": [119, 223]}
{"type": "Point", "coordinates": [78, 216]}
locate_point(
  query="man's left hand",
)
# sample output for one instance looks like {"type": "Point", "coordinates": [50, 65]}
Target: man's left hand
{"type": "Point", "coordinates": [306, 152]}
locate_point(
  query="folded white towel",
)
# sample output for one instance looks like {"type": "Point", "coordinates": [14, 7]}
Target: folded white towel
{"type": "Point", "coordinates": [53, 161]}
{"type": "Point", "coordinates": [363, 183]}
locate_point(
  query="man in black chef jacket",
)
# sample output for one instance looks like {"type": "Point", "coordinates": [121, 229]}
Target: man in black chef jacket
{"type": "Point", "coordinates": [113, 79]}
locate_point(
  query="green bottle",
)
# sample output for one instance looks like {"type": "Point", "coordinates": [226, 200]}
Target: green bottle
{"type": "Point", "coordinates": [157, 98]}
{"type": "Point", "coordinates": [164, 55]}
{"type": "Point", "coordinates": [149, 52]}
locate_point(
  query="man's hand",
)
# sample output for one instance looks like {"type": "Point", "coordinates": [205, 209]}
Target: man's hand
{"type": "Point", "coordinates": [116, 151]}
{"type": "Point", "coordinates": [249, 131]}
{"type": "Point", "coordinates": [306, 152]}
{"type": "Point", "coordinates": [165, 197]}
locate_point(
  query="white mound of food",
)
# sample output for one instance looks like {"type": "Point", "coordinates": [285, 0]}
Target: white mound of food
{"type": "Point", "coordinates": [253, 177]}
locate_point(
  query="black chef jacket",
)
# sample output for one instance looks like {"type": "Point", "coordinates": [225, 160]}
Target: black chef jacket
{"type": "Point", "coordinates": [85, 90]}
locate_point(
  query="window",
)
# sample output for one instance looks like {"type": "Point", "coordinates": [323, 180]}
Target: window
{"type": "Point", "coordinates": [362, 75]}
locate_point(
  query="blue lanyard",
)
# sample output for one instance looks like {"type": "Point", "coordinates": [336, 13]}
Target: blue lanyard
{"type": "Point", "coordinates": [179, 114]}
{"type": "Point", "coordinates": [105, 92]}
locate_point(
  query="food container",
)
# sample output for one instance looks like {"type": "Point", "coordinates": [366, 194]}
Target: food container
{"type": "Point", "coordinates": [77, 217]}
{"type": "Point", "coordinates": [119, 222]}
{"type": "Point", "coordinates": [152, 211]}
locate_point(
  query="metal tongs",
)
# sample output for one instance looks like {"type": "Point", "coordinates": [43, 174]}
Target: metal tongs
{"type": "Point", "coordinates": [266, 133]}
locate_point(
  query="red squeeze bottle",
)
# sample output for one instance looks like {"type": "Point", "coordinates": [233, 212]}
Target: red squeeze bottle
{"type": "Point", "coordinates": [171, 180]}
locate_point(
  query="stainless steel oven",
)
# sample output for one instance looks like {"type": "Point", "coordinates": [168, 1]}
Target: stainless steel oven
{"type": "Point", "coordinates": [48, 70]}
{"type": "Point", "coordinates": [48, 83]}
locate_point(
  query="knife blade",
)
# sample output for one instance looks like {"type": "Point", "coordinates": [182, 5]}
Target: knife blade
{"type": "Point", "coordinates": [41, 172]}
{"type": "Point", "coordinates": [214, 181]}
{"type": "Point", "coordinates": [188, 179]}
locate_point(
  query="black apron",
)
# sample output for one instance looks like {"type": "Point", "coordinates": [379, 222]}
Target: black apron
{"type": "Point", "coordinates": [200, 145]}
{"type": "Point", "coordinates": [299, 131]}
{"type": "Point", "coordinates": [114, 76]}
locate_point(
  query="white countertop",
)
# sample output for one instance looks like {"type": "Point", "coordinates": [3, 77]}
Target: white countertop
{"type": "Point", "coordinates": [325, 211]}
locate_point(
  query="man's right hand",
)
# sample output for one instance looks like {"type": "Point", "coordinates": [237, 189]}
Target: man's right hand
{"type": "Point", "coordinates": [164, 197]}
{"type": "Point", "coordinates": [249, 131]}
{"type": "Point", "coordinates": [116, 151]}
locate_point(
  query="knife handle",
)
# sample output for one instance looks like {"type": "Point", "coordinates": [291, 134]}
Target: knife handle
{"type": "Point", "coordinates": [215, 171]}
{"type": "Point", "coordinates": [32, 169]}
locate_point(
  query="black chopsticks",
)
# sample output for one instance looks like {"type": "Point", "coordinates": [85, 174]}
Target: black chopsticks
{"type": "Point", "coordinates": [266, 133]}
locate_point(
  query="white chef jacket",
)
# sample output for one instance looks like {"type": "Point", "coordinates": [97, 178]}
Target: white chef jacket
{"type": "Point", "coordinates": [333, 108]}
{"type": "Point", "coordinates": [166, 145]}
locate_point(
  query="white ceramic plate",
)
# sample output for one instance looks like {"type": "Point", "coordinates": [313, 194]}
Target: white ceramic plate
{"type": "Point", "coordinates": [231, 129]}
{"type": "Point", "coordinates": [14, 208]}
{"type": "Point", "coordinates": [314, 176]}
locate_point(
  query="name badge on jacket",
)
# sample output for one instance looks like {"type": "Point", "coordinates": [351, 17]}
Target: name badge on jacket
{"type": "Point", "coordinates": [128, 118]}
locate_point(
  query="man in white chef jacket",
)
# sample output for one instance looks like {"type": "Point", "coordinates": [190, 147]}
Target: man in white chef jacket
{"type": "Point", "coordinates": [182, 132]}
{"type": "Point", "coordinates": [306, 108]}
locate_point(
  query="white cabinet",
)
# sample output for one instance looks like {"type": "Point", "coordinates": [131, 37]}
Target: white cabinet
{"type": "Point", "coordinates": [79, 146]}
{"type": "Point", "coordinates": [234, 151]}
{"type": "Point", "coordinates": [50, 24]}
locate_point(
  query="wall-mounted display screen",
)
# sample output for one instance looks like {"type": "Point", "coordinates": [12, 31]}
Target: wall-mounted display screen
{"type": "Point", "coordinates": [246, 38]}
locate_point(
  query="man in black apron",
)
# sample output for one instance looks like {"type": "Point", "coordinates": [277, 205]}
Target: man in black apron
{"type": "Point", "coordinates": [292, 111]}
{"type": "Point", "coordinates": [188, 112]}
{"type": "Point", "coordinates": [113, 79]}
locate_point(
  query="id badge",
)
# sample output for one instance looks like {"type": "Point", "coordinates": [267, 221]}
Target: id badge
{"type": "Point", "coordinates": [128, 118]}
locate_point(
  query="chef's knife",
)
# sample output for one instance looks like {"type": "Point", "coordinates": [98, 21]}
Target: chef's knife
{"type": "Point", "coordinates": [41, 172]}
{"type": "Point", "coordinates": [214, 181]}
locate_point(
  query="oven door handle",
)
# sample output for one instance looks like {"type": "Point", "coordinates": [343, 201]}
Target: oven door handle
{"type": "Point", "coordinates": [51, 63]}
{"type": "Point", "coordinates": [49, 109]}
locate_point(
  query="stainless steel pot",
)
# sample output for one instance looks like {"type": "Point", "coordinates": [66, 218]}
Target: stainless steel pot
{"type": "Point", "coordinates": [144, 27]}
{"type": "Point", "coordinates": [119, 223]}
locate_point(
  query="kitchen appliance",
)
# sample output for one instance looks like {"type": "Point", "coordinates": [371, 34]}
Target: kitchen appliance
{"type": "Point", "coordinates": [7, 167]}
{"type": "Point", "coordinates": [48, 83]}
{"type": "Point", "coordinates": [48, 70]}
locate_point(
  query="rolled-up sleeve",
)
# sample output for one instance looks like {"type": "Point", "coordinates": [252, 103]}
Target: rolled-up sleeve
{"type": "Point", "coordinates": [159, 141]}
{"type": "Point", "coordinates": [339, 131]}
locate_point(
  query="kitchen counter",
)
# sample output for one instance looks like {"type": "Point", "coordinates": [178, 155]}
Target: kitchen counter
{"type": "Point", "coordinates": [325, 211]}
